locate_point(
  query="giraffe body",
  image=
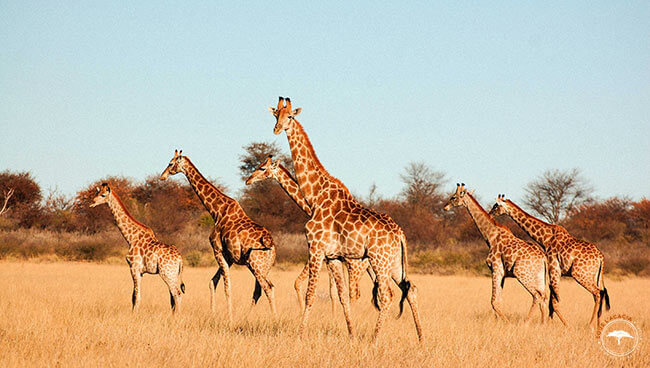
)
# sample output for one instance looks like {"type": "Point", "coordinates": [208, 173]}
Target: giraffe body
{"type": "Point", "coordinates": [341, 228]}
{"type": "Point", "coordinates": [235, 238]}
{"type": "Point", "coordinates": [508, 256]}
{"type": "Point", "coordinates": [146, 253]}
{"type": "Point", "coordinates": [355, 267]}
{"type": "Point", "coordinates": [566, 256]}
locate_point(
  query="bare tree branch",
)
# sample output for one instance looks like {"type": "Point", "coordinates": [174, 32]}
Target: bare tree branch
{"type": "Point", "coordinates": [7, 195]}
{"type": "Point", "coordinates": [556, 193]}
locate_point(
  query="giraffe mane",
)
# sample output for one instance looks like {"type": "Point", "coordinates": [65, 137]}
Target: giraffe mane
{"type": "Point", "coordinates": [212, 186]}
{"type": "Point", "coordinates": [127, 213]}
{"type": "Point", "coordinates": [315, 159]}
{"type": "Point", "coordinates": [528, 214]}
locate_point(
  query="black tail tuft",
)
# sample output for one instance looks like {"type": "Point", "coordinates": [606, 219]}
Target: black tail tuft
{"type": "Point", "coordinates": [405, 285]}
{"type": "Point", "coordinates": [183, 287]}
{"type": "Point", "coordinates": [553, 295]}
{"type": "Point", "coordinates": [375, 296]}
{"type": "Point", "coordinates": [603, 296]}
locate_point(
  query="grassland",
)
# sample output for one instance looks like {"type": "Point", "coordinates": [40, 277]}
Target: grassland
{"type": "Point", "coordinates": [79, 314]}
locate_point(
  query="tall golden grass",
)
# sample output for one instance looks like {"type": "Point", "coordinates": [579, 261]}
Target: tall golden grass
{"type": "Point", "coordinates": [79, 314]}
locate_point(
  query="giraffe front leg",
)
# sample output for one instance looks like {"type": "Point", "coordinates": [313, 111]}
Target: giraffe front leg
{"type": "Point", "coordinates": [315, 263]}
{"type": "Point", "coordinates": [213, 289]}
{"type": "Point", "coordinates": [336, 273]}
{"type": "Point", "coordinates": [497, 277]}
{"type": "Point", "coordinates": [135, 297]}
{"type": "Point", "coordinates": [225, 269]}
{"type": "Point", "coordinates": [297, 285]}
{"type": "Point", "coordinates": [333, 289]}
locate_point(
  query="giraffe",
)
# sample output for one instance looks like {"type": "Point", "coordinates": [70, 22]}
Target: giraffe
{"type": "Point", "coordinates": [235, 238]}
{"type": "Point", "coordinates": [146, 254]}
{"type": "Point", "coordinates": [356, 267]}
{"type": "Point", "coordinates": [340, 227]}
{"type": "Point", "coordinates": [508, 256]}
{"type": "Point", "coordinates": [566, 256]}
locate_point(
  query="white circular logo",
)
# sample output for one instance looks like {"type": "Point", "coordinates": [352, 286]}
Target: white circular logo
{"type": "Point", "coordinates": [618, 336]}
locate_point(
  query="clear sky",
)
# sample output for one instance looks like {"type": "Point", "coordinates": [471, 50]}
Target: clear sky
{"type": "Point", "coordinates": [490, 94]}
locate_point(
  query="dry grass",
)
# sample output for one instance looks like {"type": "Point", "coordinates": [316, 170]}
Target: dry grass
{"type": "Point", "coordinates": [78, 314]}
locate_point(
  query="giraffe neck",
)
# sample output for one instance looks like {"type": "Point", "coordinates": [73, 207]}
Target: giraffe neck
{"type": "Point", "coordinates": [313, 179]}
{"type": "Point", "coordinates": [290, 186]}
{"type": "Point", "coordinates": [212, 198]}
{"type": "Point", "coordinates": [537, 229]}
{"type": "Point", "coordinates": [484, 222]}
{"type": "Point", "coordinates": [131, 229]}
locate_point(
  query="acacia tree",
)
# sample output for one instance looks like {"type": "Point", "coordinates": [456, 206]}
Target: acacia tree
{"type": "Point", "coordinates": [256, 152]}
{"type": "Point", "coordinates": [422, 186]}
{"type": "Point", "coordinates": [265, 201]}
{"type": "Point", "coordinates": [556, 193]}
{"type": "Point", "coordinates": [21, 196]}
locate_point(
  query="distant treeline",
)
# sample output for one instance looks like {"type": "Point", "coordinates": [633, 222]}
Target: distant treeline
{"type": "Point", "coordinates": [171, 207]}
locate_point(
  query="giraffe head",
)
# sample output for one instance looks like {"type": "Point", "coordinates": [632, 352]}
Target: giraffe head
{"type": "Point", "coordinates": [102, 195]}
{"type": "Point", "coordinates": [176, 165]}
{"type": "Point", "coordinates": [458, 198]}
{"type": "Point", "coordinates": [264, 171]}
{"type": "Point", "coordinates": [500, 207]}
{"type": "Point", "coordinates": [283, 114]}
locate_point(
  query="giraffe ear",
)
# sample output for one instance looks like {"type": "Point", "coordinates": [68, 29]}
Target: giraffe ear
{"type": "Point", "coordinates": [97, 189]}
{"type": "Point", "coordinates": [471, 192]}
{"type": "Point", "coordinates": [296, 111]}
{"type": "Point", "coordinates": [272, 110]}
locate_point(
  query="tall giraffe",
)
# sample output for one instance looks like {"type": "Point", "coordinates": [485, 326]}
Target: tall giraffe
{"type": "Point", "coordinates": [340, 227]}
{"type": "Point", "coordinates": [235, 238]}
{"type": "Point", "coordinates": [356, 267]}
{"type": "Point", "coordinates": [146, 254]}
{"type": "Point", "coordinates": [566, 256]}
{"type": "Point", "coordinates": [508, 256]}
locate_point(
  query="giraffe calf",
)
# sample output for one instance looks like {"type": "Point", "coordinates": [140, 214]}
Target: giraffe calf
{"type": "Point", "coordinates": [146, 254]}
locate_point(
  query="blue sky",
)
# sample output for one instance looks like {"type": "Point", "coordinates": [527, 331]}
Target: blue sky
{"type": "Point", "coordinates": [492, 95]}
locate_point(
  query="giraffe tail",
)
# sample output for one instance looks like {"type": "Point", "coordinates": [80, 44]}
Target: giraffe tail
{"type": "Point", "coordinates": [551, 309]}
{"type": "Point", "coordinates": [375, 294]}
{"type": "Point", "coordinates": [404, 285]}
{"type": "Point", "coordinates": [603, 293]}
{"type": "Point", "coordinates": [180, 275]}
{"type": "Point", "coordinates": [605, 296]}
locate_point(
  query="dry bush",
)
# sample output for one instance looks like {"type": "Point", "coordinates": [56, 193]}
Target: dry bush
{"type": "Point", "coordinates": [24, 205]}
{"type": "Point", "coordinates": [606, 220]}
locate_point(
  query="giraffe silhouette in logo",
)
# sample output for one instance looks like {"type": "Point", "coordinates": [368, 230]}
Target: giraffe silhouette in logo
{"type": "Point", "coordinates": [146, 254]}
{"type": "Point", "coordinates": [508, 255]}
{"type": "Point", "coordinates": [356, 267]}
{"type": "Point", "coordinates": [340, 227]}
{"type": "Point", "coordinates": [235, 238]}
{"type": "Point", "coordinates": [566, 255]}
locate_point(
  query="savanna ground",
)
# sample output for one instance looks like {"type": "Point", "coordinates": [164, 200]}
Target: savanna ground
{"type": "Point", "coordinates": [79, 314]}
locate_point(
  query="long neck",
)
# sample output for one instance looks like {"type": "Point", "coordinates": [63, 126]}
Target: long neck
{"type": "Point", "coordinates": [290, 186]}
{"type": "Point", "coordinates": [211, 197]}
{"type": "Point", "coordinates": [130, 228]}
{"type": "Point", "coordinates": [312, 177]}
{"type": "Point", "coordinates": [484, 222]}
{"type": "Point", "coordinates": [537, 229]}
